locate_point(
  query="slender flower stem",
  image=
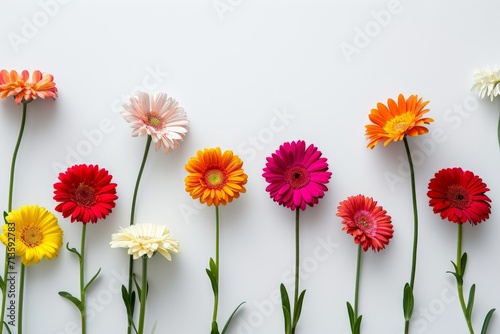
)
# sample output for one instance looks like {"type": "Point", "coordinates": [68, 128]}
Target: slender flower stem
{"type": "Point", "coordinates": [356, 289]}
{"type": "Point", "coordinates": [21, 299]}
{"type": "Point", "coordinates": [144, 293]}
{"type": "Point", "coordinates": [82, 278]}
{"type": "Point", "coordinates": [216, 296]}
{"type": "Point", "coordinates": [415, 224]}
{"type": "Point", "coordinates": [297, 262]}
{"type": "Point", "coordinates": [460, 286]}
{"type": "Point", "coordinates": [9, 207]}
{"type": "Point", "coordinates": [498, 130]}
{"type": "Point", "coordinates": [132, 217]}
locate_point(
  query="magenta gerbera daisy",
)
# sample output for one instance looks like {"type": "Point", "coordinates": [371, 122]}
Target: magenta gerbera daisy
{"type": "Point", "coordinates": [158, 116]}
{"type": "Point", "coordinates": [367, 222]}
{"type": "Point", "coordinates": [297, 175]}
{"type": "Point", "coordinates": [85, 193]}
{"type": "Point", "coordinates": [459, 196]}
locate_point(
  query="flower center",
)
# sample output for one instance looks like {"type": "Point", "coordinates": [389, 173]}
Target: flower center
{"type": "Point", "coordinates": [215, 178]}
{"type": "Point", "coordinates": [154, 120]}
{"type": "Point", "coordinates": [297, 177]}
{"type": "Point", "coordinates": [399, 124]}
{"type": "Point", "coordinates": [31, 236]}
{"type": "Point", "coordinates": [84, 195]}
{"type": "Point", "coordinates": [363, 221]}
{"type": "Point", "coordinates": [458, 196]}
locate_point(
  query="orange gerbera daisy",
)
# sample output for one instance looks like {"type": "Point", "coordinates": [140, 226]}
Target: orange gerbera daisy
{"type": "Point", "coordinates": [394, 121]}
{"type": "Point", "coordinates": [215, 177]}
{"type": "Point", "coordinates": [23, 89]}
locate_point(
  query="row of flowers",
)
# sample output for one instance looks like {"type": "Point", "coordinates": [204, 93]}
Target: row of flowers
{"type": "Point", "coordinates": [297, 175]}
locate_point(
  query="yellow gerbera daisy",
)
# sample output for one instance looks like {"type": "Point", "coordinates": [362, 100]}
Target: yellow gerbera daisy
{"type": "Point", "coordinates": [35, 232]}
{"type": "Point", "coordinates": [394, 121]}
{"type": "Point", "coordinates": [215, 177]}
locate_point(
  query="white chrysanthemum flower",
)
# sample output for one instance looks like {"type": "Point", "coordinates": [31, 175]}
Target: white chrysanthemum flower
{"type": "Point", "coordinates": [145, 239]}
{"type": "Point", "coordinates": [159, 116]}
{"type": "Point", "coordinates": [486, 83]}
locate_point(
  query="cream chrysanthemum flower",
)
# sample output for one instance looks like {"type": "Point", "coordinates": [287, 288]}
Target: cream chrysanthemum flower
{"type": "Point", "coordinates": [145, 239]}
{"type": "Point", "coordinates": [486, 83]}
{"type": "Point", "coordinates": [158, 116]}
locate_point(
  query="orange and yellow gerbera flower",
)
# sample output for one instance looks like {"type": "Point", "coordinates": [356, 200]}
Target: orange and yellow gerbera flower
{"type": "Point", "coordinates": [215, 177]}
{"type": "Point", "coordinates": [394, 121]}
{"type": "Point", "coordinates": [23, 89]}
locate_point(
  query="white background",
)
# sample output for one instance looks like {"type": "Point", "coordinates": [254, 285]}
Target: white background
{"type": "Point", "coordinates": [251, 75]}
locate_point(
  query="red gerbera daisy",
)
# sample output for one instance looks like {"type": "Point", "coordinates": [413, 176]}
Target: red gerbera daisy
{"type": "Point", "coordinates": [296, 175]}
{"type": "Point", "coordinates": [459, 196]}
{"type": "Point", "coordinates": [368, 223]}
{"type": "Point", "coordinates": [85, 193]}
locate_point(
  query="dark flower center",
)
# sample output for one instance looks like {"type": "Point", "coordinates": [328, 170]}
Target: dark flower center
{"type": "Point", "coordinates": [297, 177]}
{"type": "Point", "coordinates": [84, 195]}
{"type": "Point", "coordinates": [31, 236]}
{"type": "Point", "coordinates": [458, 196]}
{"type": "Point", "coordinates": [215, 178]}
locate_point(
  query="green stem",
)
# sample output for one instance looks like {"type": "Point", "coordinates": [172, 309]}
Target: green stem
{"type": "Point", "coordinates": [460, 286]}
{"type": "Point", "coordinates": [144, 293]}
{"type": "Point", "coordinates": [297, 262]}
{"type": "Point", "coordinates": [356, 289]}
{"type": "Point", "coordinates": [498, 130]}
{"type": "Point", "coordinates": [132, 217]}
{"type": "Point", "coordinates": [415, 224]}
{"type": "Point", "coordinates": [82, 278]}
{"type": "Point", "coordinates": [9, 207]}
{"type": "Point", "coordinates": [21, 299]}
{"type": "Point", "coordinates": [216, 296]}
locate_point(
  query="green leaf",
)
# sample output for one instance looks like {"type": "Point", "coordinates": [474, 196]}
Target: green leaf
{"type": "Point", "coordinates": [460, 280]}
{"type": "Point", "coordinates": [454, 266]}
{"type": "Point", "coordinates": [2, 284]}
{"type": "Point", "coordinates": [298, 309]}
{"type": "Point", "coordinates": [231, 317]}
{"type": "Point", "coordinates": [215, 329]}
{"type": "Point", "coordinates": [463, 262]}
{"type": "Point", "coordinates": [7, 327]}
{"type": "Point", "coordinates": [213, 281]}
{"type": "Point", "coordinates": [92, 280]}
{"type": "Point", "coordinates": [357, 325]}
{"type": "Point", "coordinates": [5, 214]}
{"type": "Point", "coordinates": [408, 302]}
{"type": "Point", "coordinates": [213, 268]}
{"type": "Point", "coordinates": [72, 299]}
{"type": "Point", "coordinates": [470, 302]}
{"type": "Point", "coordinates": [154, 328]}
{"type": "Point", "coordinates": [487, 321]}
{"type": "Point", "coordinates": [285, 303]}
{"type": "Point", "coordinates": [350, 312]}
{"type": "Point", "coordinates": [73, 250]}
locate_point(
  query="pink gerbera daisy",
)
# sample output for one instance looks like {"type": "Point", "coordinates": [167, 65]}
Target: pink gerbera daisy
{"type": "Point", "coordinates": [368, 223]}
{"type": "Point", "coordinates": [296, 175]}
{"type": "Point", "coordinates": [459, 196]}
{"type": "Point", "coordinates": [158, 116]}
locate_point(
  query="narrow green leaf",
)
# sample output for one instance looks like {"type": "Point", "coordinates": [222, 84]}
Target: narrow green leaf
{"type": "Point", "coordinates": [350, 312]}
{"type": "Point", "coordinates": [213, 281]}
{"type": "Point", "coordinates": [298, 309]}
{"type": "Point", "coordinates": [125, 298]}
{"type": "Point", "coordinates": [72, 299]}
{"type": "Point", "coordinates": [231, 317]}
{"type": "Point", "coordinates": [463, 261]}
{"type": "Point", "coordinates": [454, 266]}
{"type": "Point", "coordinates": [470, 302]}
{"type": "Point", "coordinates": [92, 280]}
{"type": "Point", "coordinates": [213, 268]}
{"type": "Point", "coordinates": [2, 284]}
{"type": "Point", "coordinates": [285, 303]}
{"type": "Point", "coordinates": [154, 328]}
{"type": "Point", "coordinates": [215, 329]}
{"type": "Point", "coordinates": [408, 302]}
{"type": "Point", "coordinates": [132, 304]}
{"type": "Point", "coordinates": [7, 327]}
{"type": "Point", "coordinates": [460, 280]}
{"type": "Point", "coordinates": [357, 325]}
{"type": "Point", "coordinates": [73, 250]}
{"type": "Point", "coordinates": [5, 214]}
{"type": "Point", "coordinates": [487, 321]}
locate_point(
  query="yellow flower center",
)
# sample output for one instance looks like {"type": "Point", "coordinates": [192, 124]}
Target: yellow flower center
{"type": "Point", "coordinates": [215, 178]}
{"type": "Point", "coordinates": [154, 120]}
{"type": "Point", "coordinates": [84, 195]}
{"type": "Point", "coordinates": [31, 236]}
{"type": "Point", "coordinates": [399, 124]}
